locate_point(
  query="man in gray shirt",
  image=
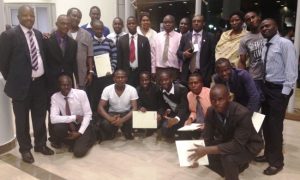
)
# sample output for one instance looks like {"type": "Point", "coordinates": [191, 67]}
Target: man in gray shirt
{"type": "Point", "coordinates": [250, 47]}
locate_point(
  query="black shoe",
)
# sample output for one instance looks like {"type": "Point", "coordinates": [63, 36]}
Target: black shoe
{"type": "Point", "coordinates": [272, 170]}
{"type": "Point", "coordinates": [128, 136]}
{"type": "Point", "coordinates": [44, 150]}
{"type": "Point", "coordinates": [27, 157]}
{"type": "Point", "coordinates": [56, 145]}
{"type": "Point", "coordinates": [261, 159]}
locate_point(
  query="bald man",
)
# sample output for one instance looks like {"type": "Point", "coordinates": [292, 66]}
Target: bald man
{"type": "Point", "coordinates": [22, 65]}
{"type": "Point", "coordinates": [230, 138]}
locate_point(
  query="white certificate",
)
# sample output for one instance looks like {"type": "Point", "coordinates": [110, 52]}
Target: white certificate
{"type": "Point", "coordinates": [183, 153]}
{"type": "Point", "coordinates": [146, 119]}
{"type": "Point", "coordinates": [190, 127]}
{"type": "Point", "coordinates": [257, 120]}
{"type": "Point", "coordinates": [102, 63]}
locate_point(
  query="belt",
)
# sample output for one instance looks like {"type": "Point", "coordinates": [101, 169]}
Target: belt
{"type": "Point", "coordinates": [273, 85]}
{"type": "Point", "coordinates": [33, 79]}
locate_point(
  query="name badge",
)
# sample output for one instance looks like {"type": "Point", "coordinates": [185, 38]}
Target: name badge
{"type": "Point", "coordinates": [196, 47]}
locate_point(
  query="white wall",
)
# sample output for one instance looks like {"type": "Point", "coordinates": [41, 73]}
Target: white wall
{"type": "Point", "coordinates": [108, 8]}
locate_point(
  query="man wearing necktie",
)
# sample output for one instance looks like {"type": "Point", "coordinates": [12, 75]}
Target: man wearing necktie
{"type": "Point", "coordinates": [133, 53]}
{"type": "Point", "coordinates": [118, 30]}
{"type": "Point", "coordinates": [22, 65]}
{"type": "Point", "coordinates": [279, 79]}
{"type": "Point", "coordinates": [197, 52]}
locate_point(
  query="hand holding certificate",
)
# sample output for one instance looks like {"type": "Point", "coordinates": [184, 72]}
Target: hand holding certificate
{"type": "Point", "coordinates": [146, 119]}
{"type": "Point", "coordinates": [102, 64]}
{"type": "Point", "coordinates": [185, 150]}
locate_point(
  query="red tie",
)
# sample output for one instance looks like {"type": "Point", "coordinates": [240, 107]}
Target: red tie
{"type": "Point", "coordinates": [132, 50]}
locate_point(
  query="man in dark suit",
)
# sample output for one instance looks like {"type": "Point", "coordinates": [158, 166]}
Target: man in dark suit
{"type": "Point", "coordinates": [197, 52]}
{"type": "Point", "coordinates": [60, 53]}
{"type": "Point", "coordinates": [23, 67]}
{"type": "Point", "coordinates": [133, 53]}
{"type": "Point", "coordinates": [174, 110]}
{"type": "Point", "coordinates": [230, 138]}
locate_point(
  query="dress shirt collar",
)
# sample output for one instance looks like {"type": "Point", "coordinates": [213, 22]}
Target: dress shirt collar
{"type": "Point", "coordinates": [25, 29]}
{"type": "Point", "coordinates": [88, 25]}
{"type": "Point", "coordinates": [172, 90]}
{"type": "Point", "coordinates": [200, 33]}
{"type": "Point", "coordinates": [99, 39]}
{"type": "Point", "coordinates": [170, 33]}
{"type": "Point", "coordinates": [274, 38]}
{"type": "Point", "coordinates": [134, 35]}
{"type": "Point", "coordinates": [70, 95]}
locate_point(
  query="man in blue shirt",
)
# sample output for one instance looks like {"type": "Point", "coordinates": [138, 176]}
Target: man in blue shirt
{"type": "Point", "coordinates": [95, 13]}
{"type": "Point", "coordinates": [239, 82]}
{"type": "Point", "coordinates": [280, 75]}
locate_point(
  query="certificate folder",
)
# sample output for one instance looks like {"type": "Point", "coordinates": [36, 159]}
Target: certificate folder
{"type": "Point", "coordinates": [144, 119]}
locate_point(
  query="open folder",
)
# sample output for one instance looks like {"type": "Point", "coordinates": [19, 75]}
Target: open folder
{"type": "Point", "coordinates": [257, 120]}
{"type": "Point", "coordinates": [183, 153]}
{"type": "Point", "coordinates": [144, 119]}
{"type": "Point", "coordinates": [102, 64]}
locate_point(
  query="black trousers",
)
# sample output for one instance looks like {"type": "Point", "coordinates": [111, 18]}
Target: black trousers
{"type": "Point", "coordinates": [230, 165]}
{"type": "Point", "coordinates": [36, 102]}
{"type": "Point", "coordinates": [133, 77]}
{"type": "Point", "coordinates": [81, 145]}
{"type": "Point", "coordinates": [109, 131]}
{"type": "Point", "coordinates": [274, 108]}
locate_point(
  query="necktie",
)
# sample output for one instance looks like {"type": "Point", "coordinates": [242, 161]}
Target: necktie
{"type": "Point", "coordinates": [62, 45]}
{"type": "Point", "coordinates": [166, 48]}
{"type": "Point", "coordinates": [117, 39]}
{"type": "Point", "coordinates": [193, 60]}
{"type": "Point", "coordinates": [68, 113]}
{"type": "Point", "coordinates": [132, 50]}
{"type": "Point", "coordinates": [268, 44]}
{"type": "Point", "coordinates": [199, 111]}
{"type": "Point", "coordinates": [33, 52]}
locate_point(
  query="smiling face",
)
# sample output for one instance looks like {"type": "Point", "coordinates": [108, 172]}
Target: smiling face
{"type": "Point", "coordinates": [63, 24]}
{"type": "Point", "coordinates": [118, 25]}
{"type": "Point", "coordinates": [165, 81]}
{"type": "Point", "coordinates": [224, 70]}
{"type": "Point", "coordinates": [65, 84]}
{"type": "Point", "coordinates": [145, 80]}
{"type": "Point", "coordinates": [219, 98]}
{"type": "Point", "coordinates": [120, 78]}
{"type": "Point", "coordinates": [268, 28]}
{"type": "Point", "coordinates": [26, 16]}
{"type": "Point", "coordinates": [184, 25]}
{"type": "Point", "coordinates": [75, 17]}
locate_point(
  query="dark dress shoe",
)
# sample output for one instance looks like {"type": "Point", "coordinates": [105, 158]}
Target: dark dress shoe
{"type": "Point", "coordinates": [44, 150]}
{"type": "Point", "coordinates": [128, 136]}
{"type": "Point", "coordinates": [261, 159]}
{"type": "Point", "coordinates": [56, 145]}
{"type": "Point", "coordinates": [27, 157]}
{"type": "Point", "coordinates": [272, 170]}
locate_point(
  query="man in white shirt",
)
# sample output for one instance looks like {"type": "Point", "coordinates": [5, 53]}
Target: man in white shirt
{"type": "Point", "coordinates": [120, 99]}
{"type": "Point", "coordinates": [118, 26]}
{"type": "Point", "coordinates": [71, 115]}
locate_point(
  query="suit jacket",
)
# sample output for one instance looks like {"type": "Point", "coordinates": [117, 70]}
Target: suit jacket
{"type": "Point", "coordinates": [57, 63]}
{"type": "Point", "coordinates": [236, 135]}
{"type": "Point", "coordinates": [15, 61]}
{"type": "Point", "coordinates": [143, 51]}
{"type": "Point", "coordinates": [207, 56]}
{"type": "Point", "coordinates": [180, 99]}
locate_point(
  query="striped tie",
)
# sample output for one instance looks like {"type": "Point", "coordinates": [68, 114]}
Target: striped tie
{"type": "Point", "coordinates": [33, 52]}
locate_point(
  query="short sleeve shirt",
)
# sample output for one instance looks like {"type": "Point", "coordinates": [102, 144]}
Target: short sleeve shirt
{"type": "Point", "coordinates": [119, 103]}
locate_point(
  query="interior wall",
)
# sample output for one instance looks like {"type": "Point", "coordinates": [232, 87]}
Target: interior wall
{"type": "Point", "coordinates": [108, 8]}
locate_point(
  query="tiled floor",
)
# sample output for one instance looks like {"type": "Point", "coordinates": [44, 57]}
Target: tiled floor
{"type": "Point", "coordinates": [142, 158]}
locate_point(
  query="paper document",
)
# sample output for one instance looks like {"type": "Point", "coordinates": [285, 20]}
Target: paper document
{"type": "Point", "coordinates": [191, 127]}
{"type": "Point", "coordinates": [102, 64]}
{"type": "Point", "coordinates": [144, 119]}
{"type": "Point", "coordinates": [257, 120]}
{"type": "Point", "coordinates": [183, 153]}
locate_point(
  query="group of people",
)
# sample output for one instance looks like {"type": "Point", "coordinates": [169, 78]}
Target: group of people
{"type": "Point", "coordinates": [167, 72]}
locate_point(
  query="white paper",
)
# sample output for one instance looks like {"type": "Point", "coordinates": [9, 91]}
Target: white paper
{"type": "Point", "coordinates": [257, 120]}
{"type": "Point", "coordinates": [102, 64]}
{"type": "Point", "coordinates": [146, 119]}
{"type": "Point", "coordinates": [191, 127]}
{"type": "Point", "coordinates": [183, 153]}
{"type": "Point", "coordinates": [196, 47]}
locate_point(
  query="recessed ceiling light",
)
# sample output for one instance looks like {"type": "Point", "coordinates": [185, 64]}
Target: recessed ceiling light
{"type": "Point", "coordinates": [282, 5]}
{"type": "Point", "coordinates": [150, 9]}
{"type": "Point", "coordinates": [184, 2]}
{"type": "Point", "coordinates": [256, 3]}
{"type": "Point", "coordinates": [159, 7]}
{"type": "Point", "coordinates": [278, 1]}
{"type": "Point", "coordinates": [170, 4]}
{"type": "Point", "coordinates": [188, 12]}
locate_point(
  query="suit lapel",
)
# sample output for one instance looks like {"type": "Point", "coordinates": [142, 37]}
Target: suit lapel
{"type": "Point", "coordinates": [55, 45]}
{"type": "Point", "coordinates": [22, 37]}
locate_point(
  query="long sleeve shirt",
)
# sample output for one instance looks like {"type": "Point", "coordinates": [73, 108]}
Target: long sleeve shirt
{"type": "Point", "coordinates": [282, 63]}
{"type": "Point", "coordinates": [79, 105]}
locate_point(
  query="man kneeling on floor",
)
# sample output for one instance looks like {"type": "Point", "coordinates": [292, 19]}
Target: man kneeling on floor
{"type": "Point", "coordinates": [70, 115]}
{"type": "Point", "coordinates": [230, 138]}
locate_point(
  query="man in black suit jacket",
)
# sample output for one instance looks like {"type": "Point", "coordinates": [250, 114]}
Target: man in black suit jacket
{"type": "Point", "coordinates": [60, 52]}
{"type": "Point", "coordinates": [202, 60]}
{"type": "Point", "coordinates": [174, 110]}
{"type": "Point", "coordinates": [134, 53]}
{"type": "Point", "coordinates": [23, 67]}
{"type": "Point", "coordinates": [230, 138]}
